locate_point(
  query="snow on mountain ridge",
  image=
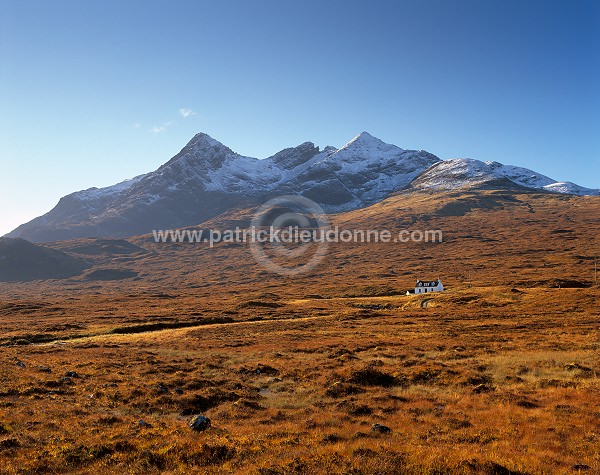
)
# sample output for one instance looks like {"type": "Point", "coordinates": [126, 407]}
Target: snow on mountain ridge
{"type": "Point", "coordinates": [365, 142]}
{"type": "Point", "coordinates": [452, 174]}
{"type": "Point", "coordinates": [571, 189]}
{"type": "Point", "coordinates": [207, 178]}
{"type": "Point", "coordinates": [520, 175]}
{"type": "Point", "coordinates": [214, 167]}
{"type": "Point", "coordinates": [109, 190]}
{"type": "Point", "coordinates": [460, 173]}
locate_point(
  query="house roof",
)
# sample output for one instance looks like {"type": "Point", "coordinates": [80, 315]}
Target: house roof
{"type": "Point", "coordinates": [429, 283]}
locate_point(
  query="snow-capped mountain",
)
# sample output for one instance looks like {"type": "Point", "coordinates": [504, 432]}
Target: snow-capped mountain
{"type": "Point", "coordinates": [460, 173]}
{"type": "Point", "coordinates": [362, 172]}
{"type": "Point", "coordinates": [207, 178]}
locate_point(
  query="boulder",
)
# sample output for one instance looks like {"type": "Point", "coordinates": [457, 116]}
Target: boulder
{"type": "Point", "coordinates": [199, 423]}
{"type": "Point", "coordinates": [381, 428]}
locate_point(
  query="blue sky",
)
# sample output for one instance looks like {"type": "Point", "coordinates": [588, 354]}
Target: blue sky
{"type": "Point", "coordinates": [91, 93]}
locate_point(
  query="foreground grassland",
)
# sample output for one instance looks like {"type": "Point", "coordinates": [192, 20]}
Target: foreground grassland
{"type": "Point", "coordinates": [484, 380]}
{"type": "Point", "coordinates": [498, 375]}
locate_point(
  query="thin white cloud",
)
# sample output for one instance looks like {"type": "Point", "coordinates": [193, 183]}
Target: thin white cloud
{"type": "Point", "coordinates": [137, 125]}
{"type": "Point", "coordinates": [185, 113]}
{"type": "Point", "coordinates": [159, 129]}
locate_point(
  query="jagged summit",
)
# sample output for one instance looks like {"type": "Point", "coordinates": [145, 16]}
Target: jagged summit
{"type": "Point", "coordinates": [202, 147]}
{"type": "Point", "coordinates": [206, 178]}
{"type": "Point", "coordinates": [365, 141]}
{"type": "Point", "coordinates": [203, 138]}
{"type": "Point", "coordinates": [362, 138]}
{"type": "Point", "coordinates": [292, 157]}
{"type": "Point", "coordinates": [202, 142]}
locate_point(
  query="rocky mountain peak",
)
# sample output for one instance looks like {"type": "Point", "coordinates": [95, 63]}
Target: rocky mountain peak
{"type": "Point", "coordinates": [292, 157]}
{"type": "Point", "coordinates": [206, 178]}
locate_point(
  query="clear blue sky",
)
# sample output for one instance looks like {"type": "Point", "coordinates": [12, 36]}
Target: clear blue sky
{"type": "Point", "coordinates": [91, 91]}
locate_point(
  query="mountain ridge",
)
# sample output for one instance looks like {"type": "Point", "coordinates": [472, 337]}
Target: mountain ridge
{"type": "Point", "coordinates": [207, 178]}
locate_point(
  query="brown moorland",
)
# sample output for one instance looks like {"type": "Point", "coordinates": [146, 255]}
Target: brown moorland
{"type": "Point", "coordinates": [500, 374]}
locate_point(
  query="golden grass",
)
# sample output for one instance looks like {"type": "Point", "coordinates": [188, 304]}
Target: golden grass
{"type": "Point", "coordinates": [538, 411]}
{"type": "Point", "coordinates": [499, 376]}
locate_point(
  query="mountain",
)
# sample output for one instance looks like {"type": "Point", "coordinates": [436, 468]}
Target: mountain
{"type": "Point", "coordinates": [21, 260]}
{"type": "Point", "coordinates": [461, 173]}
{"type": "Point", "coordinates": [362, 172]}
{"type": "Point", "coordinates": [206, 178]}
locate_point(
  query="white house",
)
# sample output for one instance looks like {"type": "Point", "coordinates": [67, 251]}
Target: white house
{"type": "Point", "coordinates": [422, 287]}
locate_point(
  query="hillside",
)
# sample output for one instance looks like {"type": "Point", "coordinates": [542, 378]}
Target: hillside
{"type": "Point", "coordinates": [23, 261]}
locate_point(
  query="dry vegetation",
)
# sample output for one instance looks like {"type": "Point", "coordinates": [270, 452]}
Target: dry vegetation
{"type": "Point", "coordinates": [499, 377]}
